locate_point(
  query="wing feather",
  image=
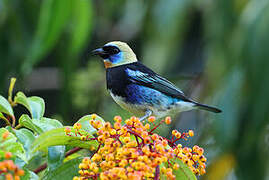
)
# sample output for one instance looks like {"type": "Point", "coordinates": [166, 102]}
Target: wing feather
{"type": "Point", "coordinates": [155, 81]}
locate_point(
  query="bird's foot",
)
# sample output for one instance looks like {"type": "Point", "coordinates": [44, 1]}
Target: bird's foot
{"type": "Point", "coordinates": [147, 114]}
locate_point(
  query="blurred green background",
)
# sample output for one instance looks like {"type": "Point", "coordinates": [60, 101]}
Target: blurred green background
{"type": "Point", "coordinates": [217, 51]}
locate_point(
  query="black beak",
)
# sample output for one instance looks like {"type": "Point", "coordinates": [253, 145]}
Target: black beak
{"type": "Point", "coordinates": [98, 51]}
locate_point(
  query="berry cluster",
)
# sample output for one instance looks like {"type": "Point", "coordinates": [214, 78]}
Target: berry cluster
{"type": "Point", "coordinates": [134, 151]}
{"type": "Point", "coordinates": [8, 169]}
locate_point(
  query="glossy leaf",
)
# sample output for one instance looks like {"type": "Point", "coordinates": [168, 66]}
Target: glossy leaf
{"type": "Point", "coordinates": [25, 137]}
{"type": "Point", "coordinates": [84, 121]}
{"type": "Point", "coordinates": [39, 126]}
{"type": "Point", "coordinates": [82, 20]}
{"type": "Point", "coordinates": [184, 172]}
{"type": "Point", "coordinates": [56, 137]}
{"type": "Point", "coordinates": [26, 121]}
{"type": "Point", "coordinates": [34, 104]}
{"type": "Point", "coordinates": [5, 107]}
{"type": "Point", "coordinates": [66, 171]}
{"type": "Point", "coordinates": [52, 19]}
{"type": "Point", "coordinates": [55, 156]}
{"type": "Point", "coordinates": [12, 145]}
{"type": "Point", "coordinates": [29, 175]}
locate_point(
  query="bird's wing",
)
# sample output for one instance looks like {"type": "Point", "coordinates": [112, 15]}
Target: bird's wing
{"type": "Point", "coordinates": [155, 81]}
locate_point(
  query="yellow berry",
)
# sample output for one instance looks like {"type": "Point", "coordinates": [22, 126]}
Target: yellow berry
{"type": "Point", "coordinates": [77, 126]}
{"type": "Point", "coordinates": [128, 122]}
{"type": "Point", "coordinates": [147, 126]}
{"type": "Point", "coordinates": [93, 116]}
{"type": "Point", "coordinates": [168, 120]}
{"type": "Point", "coordinates": [178, 135]}
{"type": "Point", "coordinates": [151, 119]}
{"type": "Point", "coordinates": [113, 132]}
{"type": "Point", "coordinates": [67, 130]}
{"type": "Point", "coordinates": [117, 119]}
{"type": "Point", "coordinates": [83, 138]}
{"type": "Point", "coordinates": [5, 135]}
{"type": "Point", "coordinates": [8, 155]}
{"type": "Point", "coordinates": [191, 133]}
{"type": "Point", "coordinates": [174, 132]}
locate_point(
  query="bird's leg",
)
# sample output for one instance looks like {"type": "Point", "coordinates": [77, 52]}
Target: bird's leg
{"type": "Point", "coordinates": [147, 114]}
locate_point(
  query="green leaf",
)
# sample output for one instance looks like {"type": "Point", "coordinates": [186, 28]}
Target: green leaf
{"type": "Point", "coordinates": [34, 104]}
{"type": "Point", "coordinates": [66, 171]}
{"type": "Point", "coordinates": [1, 115]}
{"type": "Point", "coordinates": [29, 175]}
{"type": "Point", "coordinates": [5, 107]}
{"type": "Point", "coordinates": [39, 126]}
{"type": "Point", "coordinates": [56, 137]}
{"type": "Point", "coordinates": [52, 20]}
{"type": "Point", "coordinates": [26, 137]}
{"type": "Point", "coordinates": [55, 156]}
{"type": "Point", "coordinates": [47, 124]}
{"type": "Point", "coordinates": [84, 121]}
{"type": "Point", "coordinates": [82, 24]}
{"type": "Point", "coordinates": [184, 172]}
{"type": "Point", "coordinates": [12, 145]}
{"type": "Point", "coordinates": [26, 121]}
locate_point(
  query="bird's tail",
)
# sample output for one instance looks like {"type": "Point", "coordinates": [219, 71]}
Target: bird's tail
{"type": "Point", "coordinates": [208, 108]}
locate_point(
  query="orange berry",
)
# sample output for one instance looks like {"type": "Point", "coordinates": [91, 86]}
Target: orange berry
{"type": "Point", "coordinates": [133, 119]}
{"type": "Point", "coordinates": [200, 151]}
{"type": "Point", "coordinates": [128, 122]}
{"type": "Point", "coordinates": [174, 132]}
{"type": "Point", "coordinates": [147, 126]}
{"type": "Point", "coordinates": [113, 132]}
{"type": "Point", "coordinates": [144, 134]}
{"type": "Point", "coordinates": [9, 176]}
{"type": "Point", "coordinates": [117, 125]}
{"type": "Point", "coordinates": [191, 133]}
{"type": "Point", "coordinates": [10, 165]}
{"type": "Point", "coordinates": [92, 122]}
{"type": "Point", "coordinates": [151, 119]}
{"type": "Point", "coordinates": [178, 135]}
{"type": "Point", "coordinates": [93, 116]}
{"type": "Point", "coordinates": [154, 137]}
{"type": "Point", "coordinates": [117, 119]}
{"type": "Point", "coordinates": [83, 138]}
{"type": "Point", "coordinates": [8, 155]}
{"type": "Point", "coordinates": [147, 140]}
{"type": "Point", "coordinates": [16, 177]}
{"type": "Point", "coordinates": [67, 130]}
{"type": "Point", "coordinates": [168, 120]}
{"type": "Point", "coordinates": [164, 143]}
{"type": "Point", "coordinates": [77, 126]}
{"type": "Point", "coordinates": [20, 172]}
{"type": "Point", "coordinates": [107, 125]}
{"type": "Point", "coordinates": [5, 135]}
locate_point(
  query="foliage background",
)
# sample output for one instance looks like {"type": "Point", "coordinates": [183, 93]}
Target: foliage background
{"type": "Point", "coordinates": [216, 51]}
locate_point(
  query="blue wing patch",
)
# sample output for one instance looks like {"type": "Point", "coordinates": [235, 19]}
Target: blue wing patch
{"type": "Point", "coordinates": [156, 82]}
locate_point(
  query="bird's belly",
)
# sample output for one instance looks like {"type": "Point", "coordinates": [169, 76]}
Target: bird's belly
{"type": "Point", "coordinates": [136, 109]}
{"type": "Point", "coordinates": [139, 99]}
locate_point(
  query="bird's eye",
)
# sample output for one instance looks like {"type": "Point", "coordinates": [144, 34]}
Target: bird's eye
{"type": "Point", "coordinates": [111, 49]}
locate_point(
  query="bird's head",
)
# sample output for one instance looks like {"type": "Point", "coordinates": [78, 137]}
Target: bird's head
{"type": "Point", "coordinates": [116, 53]}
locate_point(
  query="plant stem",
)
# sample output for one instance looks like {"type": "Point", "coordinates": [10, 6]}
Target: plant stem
{"type": "Point", "coordinates": [18, 126]}
{"type": "Point", "coordinates": [44, 166]}
{"type": "Point", "coordinates": [156, 126]}
{"type": "Point", "coordinates": [13, 121]}
{"type": "Point", "coordinates": [157, 173]}
{"type": "Point", "coordinates": [6, 120]}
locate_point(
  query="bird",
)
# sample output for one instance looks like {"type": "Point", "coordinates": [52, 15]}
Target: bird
{"type": "Point", "coordinates": [138, 89]}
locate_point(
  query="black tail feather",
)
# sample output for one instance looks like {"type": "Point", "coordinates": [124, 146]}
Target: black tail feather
{"type": "Point", "coordinates": [208, 108]}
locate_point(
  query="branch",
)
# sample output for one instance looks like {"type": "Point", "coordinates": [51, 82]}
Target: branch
{"type": "Point", "coordinates": [45, 165]}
